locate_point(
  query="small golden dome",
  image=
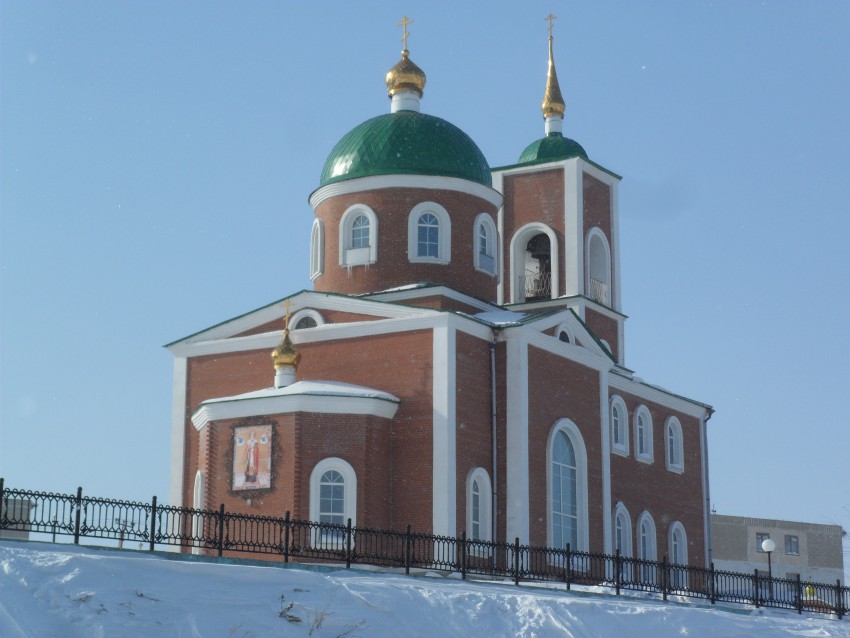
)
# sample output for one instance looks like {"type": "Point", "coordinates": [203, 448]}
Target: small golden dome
{"type": "Point", "coordinates": [553, 101]}
{"type": "Point", "coordinates": [285, 354]}
{"type": "Point", "coordinates": [405, 76]}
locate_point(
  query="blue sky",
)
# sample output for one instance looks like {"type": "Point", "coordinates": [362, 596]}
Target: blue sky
{"type": "Point", "coordinates": [157, 157]}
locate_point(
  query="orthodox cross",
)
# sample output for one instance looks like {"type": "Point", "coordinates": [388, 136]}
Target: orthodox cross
{"type": "Point", "coordinates": [550, 17]}
{"type": "Point", "coordinates": [286, 305]}
{"type": "Point", "coordinates": [403, 24]}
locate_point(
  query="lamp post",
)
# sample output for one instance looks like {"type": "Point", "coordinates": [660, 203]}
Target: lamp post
{"type": "Point", "coordinates": [767, 545]}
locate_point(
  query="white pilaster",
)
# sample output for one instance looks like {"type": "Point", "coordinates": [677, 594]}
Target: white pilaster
{"type": "Point", "coordinates": [178, 433]}
{"type": "Point", "coordinates": [517, 480]}
{"type": "Point", "coordinates": [604, 412]}
{"type": "Point", "coordinates": [444, 464]}
{"type": "Point", "coordinates": [573, 229]}
{"type": "Point", "coordinates": [500, 228]}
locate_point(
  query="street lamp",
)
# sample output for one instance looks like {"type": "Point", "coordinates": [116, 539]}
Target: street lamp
{"type": "Point", "coordinates": [767, 545]}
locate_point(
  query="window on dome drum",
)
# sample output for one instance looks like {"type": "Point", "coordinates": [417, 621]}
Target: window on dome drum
{"type": "Point", "coordinates": [428, 236]}
{"type": "Point", "coordinates": [317, 249]}
{"type": "Point", "coordinates": [485, 244]}
{"type": "Point", "coordinates": [643, 435]}
{"type": "Point", "coordinates": [619, 426]}
{"type": "Point", "coordinates": [358, 236]}
{"type": "Point", "coordinates": [674, 447]}
{"type": "Point", "coordinates": [792, 545]}
{"type": "Point", "coordinates": [360, 232]}
{"type": "Point", "coordinates": [333, 500]}
{"type": "Point", "coordinates": [478, 506]}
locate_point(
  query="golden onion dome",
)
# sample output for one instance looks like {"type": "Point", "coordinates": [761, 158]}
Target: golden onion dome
{"type": "Point", "coordinates": [405, 76]}
{"type": "Point", "coordinates": [285, 354]}
{"type": "Point", "coordinates": [553, 101]}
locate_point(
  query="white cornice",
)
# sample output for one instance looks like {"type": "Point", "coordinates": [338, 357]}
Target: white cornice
{"type": "Point", "coordinates": [378, 182]}
{"type": "Point", "coordinates": [237, 408]}
{"type": "Point", "coordinates": [431, 291]}
{"type": "Point", "coordinates": [592, 358]}
{"type": "Point", "coordinates": [661, 397]}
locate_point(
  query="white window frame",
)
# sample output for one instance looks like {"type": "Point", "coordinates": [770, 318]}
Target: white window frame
{"type": "Point", "coordinates": [444, 236]}
{"type": "Point", "coordinates": [621, 514]}
{"type": "Point", "coordinates": [673, 438]}
{"type": "Point", "coordinates": [565, 327]}
{"type": "Point", "coordinates": [317, 249]}
{"type": "Point", "coordinates": [582, 525]}
{"type": "Point", "coordinates": [517, 259]}
{"type": "Point", "coordinates": [484, 222]}
{"type": "Point", "coordinates": [596, 233]}
{"type": "Point", "coordinates": [199, 495]}
{"type": "Point", "coordinates": [621, 447]}
{"type": "Point", "coordinates": [350, 495]}
{"type": "Point", "coordinates": [305, 312]}
{"type": "Point", "coordinates": [485, 500]}
{"type": "Point", "coordinates": [647, 546]}
{"type": "Point", "coordinates": [644, 456]}
{"type": "Point", "coordinates": [348, 255]}
{"type": "Point", "coordinates": [678, 577]}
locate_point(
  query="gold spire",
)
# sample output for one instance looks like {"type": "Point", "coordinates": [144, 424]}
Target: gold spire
{"type": "Point", "coordinates": [285, 354]}
{"type": "Point", "coordinates": [405, 75]}
{"type": "Point", "coordinates": [553, 101]}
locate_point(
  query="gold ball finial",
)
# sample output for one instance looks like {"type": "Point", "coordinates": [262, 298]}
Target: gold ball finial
{"type": "Point", "coordinates": [405, 75]}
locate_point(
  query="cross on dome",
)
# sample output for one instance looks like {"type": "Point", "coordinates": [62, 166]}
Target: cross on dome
{"type": "Point", "coordinates": [403, 24]}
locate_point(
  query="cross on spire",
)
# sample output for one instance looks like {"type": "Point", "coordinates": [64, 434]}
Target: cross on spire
{"type": "Point", "coordinates": [286, 306]}
{"type": "Point", "coordinates": [550, 18]}
{"type": "Point", "coordinates": [403, 24]}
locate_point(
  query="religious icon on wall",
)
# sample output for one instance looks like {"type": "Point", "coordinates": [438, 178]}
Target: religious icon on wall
{"type": "Point", "coordinates": [252, 459]}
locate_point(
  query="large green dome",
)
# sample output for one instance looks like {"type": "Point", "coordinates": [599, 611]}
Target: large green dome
{"type": "Point", "coordinates": [406, 143]}
{"type": "Point", "coordinates": [552, 148]}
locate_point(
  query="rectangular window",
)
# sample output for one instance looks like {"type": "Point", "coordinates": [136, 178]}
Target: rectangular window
{"type": "Point", "coordinates": [761, 537]}
{"type": "Point", "coordinates": [792, 545]}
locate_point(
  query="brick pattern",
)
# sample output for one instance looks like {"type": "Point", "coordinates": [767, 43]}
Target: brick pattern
{"type": "Point", "coordinates": [604, 328]}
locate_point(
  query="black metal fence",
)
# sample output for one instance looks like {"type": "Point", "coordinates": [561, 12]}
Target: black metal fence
{"type": "Point", "coordinates": [214, 532]}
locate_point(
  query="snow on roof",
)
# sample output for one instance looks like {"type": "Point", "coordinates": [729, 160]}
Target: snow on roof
{"type": "Point", "coordinates": [501, 317]}
{"type": "Point", "coordinates": [314, 388]}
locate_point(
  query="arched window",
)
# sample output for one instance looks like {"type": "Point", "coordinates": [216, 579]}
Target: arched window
{"type": "Point", "coordinates": [619, 426]}
{"type": "Point", "coordinates": [678, 542]}
{"type": "Point", "coordinates": [478, 506]}
{"type": "Point", "coordinates": [333, 500]}
{"type": "Point", "coordinates": [358, 236]}
{"type": "Point", "coordinates": [598, 267]}
{"type": "Point", "coordinates": [673, 445]}
{"type": "Point", "coordinates": [647, 548]}
{"type": "Point", "coordinates": [429, 230]}
{"type": "Point", "coordinates": [565, 333]}
{"type": "Point", "coordinates": [643, 435]}
{"type": "Point", "coordinates": [623, 539]}
{"type": "Point", "coordinates": [484, 244]}
{"type": "Point", "coordinates": [534, 265]}
{"type": "Point", "coordinates": [305, 318]}
{"type": "Point", "coordinates": [317, 249]}
{"type": "Point", "coordinates": [567, 487]}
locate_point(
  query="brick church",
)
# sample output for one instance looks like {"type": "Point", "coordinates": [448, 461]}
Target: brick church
{"type": "Point", "coordinates": [459, 364]}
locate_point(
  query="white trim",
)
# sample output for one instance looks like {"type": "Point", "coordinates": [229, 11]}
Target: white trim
{"type": "Point", "coordinates": [306, 312]}
{"type": "Point", "coordinates": [483, 220]}
{"type": "Point", "coordinates": [349, 497]}
{"type": "Point", "coordinates": [500, 233]}
{"type": "Point", "coordinates": [199, 495]}
{"type": "Point", "coordinates": [616, 301]}
{"type": "Point", "coordinates": [573, 228]}
{"type": "Point", "coordinates": [605, 431]}
{"type": "Point", "coordinates": [660, 397]}
{"type": "Point", "coordinates": [444, 234]}
{"type": "Point", "coordinates": [589, 356]}
{"type": "Point", "coordinates": [444, 460]}
{"type": "Point", "coordinates": [431, 291]}
{"type": "Point", "coordinates": [706, 494]}
{"type": "Point", "coordinates": [648, 455]}
{"type": "Point", "coordinates": [597, 233]}
{"type": "Point", "coordinates": [178, 432]}
{"type": "Point", "coordinates": [572, 432]}
{"type": "Point", "coordinates": [428, 182]}
{"type": "Point", "coordinates": [317, 249]}
{"type": "Point", "coordinates": [348, 255]}
{"type": "Point", "coordinates": [650, 573]}
{"type": "Point", "coordinates": [676, 427]}
{"type": "Point", "coordinates": [519, 242]}
{"type": "Point", "coordinates": [516, 461]}
{"type": "Point", "coordinates": [676, 525]}
{"type": "Point", "coordinates": [621, 448]}
{"type": "Point", "coordinates": [485, 501]}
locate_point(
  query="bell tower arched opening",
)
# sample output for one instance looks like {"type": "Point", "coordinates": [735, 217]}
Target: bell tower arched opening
{"type": "Point", "coordinates": [534, 264]}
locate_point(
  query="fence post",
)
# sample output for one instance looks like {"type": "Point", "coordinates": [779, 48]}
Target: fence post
{"type": "Point", "coordinates": [286, 538]}
{"type": "Point", "coordinates": [712, 585]}
{"type": "Point", "coordinates": [799, 596]}
{"type": "Point", "coordinates": [463, 556]}
{"type": "Point", "coordinates": [3, 512]}
{"type": "Point", "coordinates": [516, 561]}
{"type": "Point", "coordinates": [617, 565]}
{"type": "Point", "coordinates": [153, 522]}
{"type": "Point", "coordinates": [839, 599]}
{"type": "Point", "coordinates": [756, 593]}
{"type": "Point", "coordinates": [220, 530]}
{"type": "Point", "coordinates": [665, 576]}
{"type": "Point", "coordinates": [348, 545]}
{"type": "Point", "coordinates": [569, 567]}
{"type": "Point", "coordinates": [78, 505]}
{"type": "Point", "coordinates": [407, 550]}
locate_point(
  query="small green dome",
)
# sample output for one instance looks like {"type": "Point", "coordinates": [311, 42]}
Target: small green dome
{"type": "Point", "coordinates": [406, 143]}
{"type": "Point", "coordinates": [552, 148]}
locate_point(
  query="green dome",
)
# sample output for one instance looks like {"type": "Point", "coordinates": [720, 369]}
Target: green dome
{"type": "Point", "coordinates": [406, 143]}
{"type": "Point", "coordinates": [552, 148]}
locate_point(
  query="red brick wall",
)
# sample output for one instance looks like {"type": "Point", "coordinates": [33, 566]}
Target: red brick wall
{"type": "Point", "coordinates": [392, 207]}
{"type": "Point", "coordinates": [604, 328]}
{"type": "Point", "coordinates": [667, 496]}
{"type": "Point", "coordinates": [597, 213]}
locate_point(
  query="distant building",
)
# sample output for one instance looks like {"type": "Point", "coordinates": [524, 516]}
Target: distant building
{"type": "Point", "coordinates": [809, 549]}
{"type": "Point", "coordinates": [17, 511]}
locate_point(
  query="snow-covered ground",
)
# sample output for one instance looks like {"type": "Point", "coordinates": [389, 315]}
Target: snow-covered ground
{"type": "Point", "coordinates": [62, 591]}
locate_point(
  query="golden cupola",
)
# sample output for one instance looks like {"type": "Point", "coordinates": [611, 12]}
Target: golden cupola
{"type": "Point", "coordinates": [405, 81]}
{"type": "Point", "coordinates": [553, 101]}
{"type": "Point", "coordinates": [285, 357]}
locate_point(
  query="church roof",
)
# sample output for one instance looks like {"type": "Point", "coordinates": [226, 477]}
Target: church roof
{"type": "Point", "coordinates": [552, 148]}
{"type": "Point", "coordinates": [406, 143]}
